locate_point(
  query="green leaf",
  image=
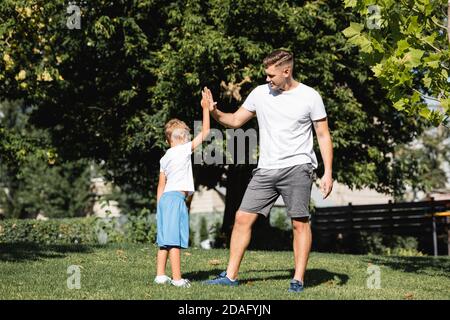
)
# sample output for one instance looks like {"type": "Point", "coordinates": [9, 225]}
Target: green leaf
{"type": "Point", "coordinates": [350, 3]}
{"type": "Point", "coordinates": [433, 60]}
{"type": "Point", "coordinates": [427, 81]}
{"type": "Point", "coordinates": [413, 27]}
{"type": "Point", "coordinates": [432, 64]}
{"type": "Point", "coordinates": [377, 46]}
{"type": "Point", "coordinates": [402, 45]}
{"type": "Point", "coordinates": [430, 38]}
{"type": "Point", "coordinates": [415, 97]}
{"type": "Point", "coordinates": [445, 103]}
{"type": "Point", "coordinates": [400, 105]}
{"type": "Point", "coordinates": [425, 112]}
{"type": "Point", "coordinates": [377, 69]}
{"type": "Point", "coordinates": [362, 42]}
{"type": "Point", "coordinates": [353, 30]}
{"type": "Point", "coordinates": [413, 57]}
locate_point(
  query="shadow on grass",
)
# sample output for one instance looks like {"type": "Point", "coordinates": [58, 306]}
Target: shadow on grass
{"type": "Point", "coordinates": [313, 277]}
{"type": "Point", "coordinates": [316, 277]}
{"type": "Point", "coordinates": [19, 252]}
{"type": "Point", "coordinates": [424, 265]}
{"type": "Point", "coordinates": [202, 275]}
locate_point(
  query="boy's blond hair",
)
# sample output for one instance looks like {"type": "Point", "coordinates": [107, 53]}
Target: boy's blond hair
{"type": "Point", "coordinates": [176, 129]}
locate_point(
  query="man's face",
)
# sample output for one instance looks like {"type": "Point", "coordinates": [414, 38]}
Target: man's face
{"type": "Point", "coordinates": [277, 76]}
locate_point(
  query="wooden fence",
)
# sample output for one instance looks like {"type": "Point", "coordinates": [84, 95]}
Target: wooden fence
{"type": "Point", "coordinates": [336, 227]}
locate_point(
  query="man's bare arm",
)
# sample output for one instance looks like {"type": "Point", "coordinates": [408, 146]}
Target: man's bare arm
{"type": "Point", "coordinates": [326, 150]}
{"type": "Point", "coordinates": [230, 120]}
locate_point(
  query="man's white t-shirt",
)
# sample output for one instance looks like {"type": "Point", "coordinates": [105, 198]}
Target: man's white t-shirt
{"type": "Point", "coordinates": [177, 167]}
{"type": "Point", "coordinates": [285, 124]}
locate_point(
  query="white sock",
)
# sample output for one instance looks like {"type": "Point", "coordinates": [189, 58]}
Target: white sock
{"type": "Point", "coordinates": [233, 280]}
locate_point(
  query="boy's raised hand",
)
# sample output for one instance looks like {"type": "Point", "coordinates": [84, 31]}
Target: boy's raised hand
{"type": "Point", "coordinates": [207, 99]}
{"type": "Point", "coordinates": [205, 102]}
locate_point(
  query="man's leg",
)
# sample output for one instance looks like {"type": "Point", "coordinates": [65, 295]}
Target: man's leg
{"type": "Point", "coordinates": [302, 245]}
{"type": "Point", "coordinates": [240, 239]}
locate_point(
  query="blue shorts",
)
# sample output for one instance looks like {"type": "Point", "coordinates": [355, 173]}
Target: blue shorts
{"type": "Point", "coordinates": [172, 220]}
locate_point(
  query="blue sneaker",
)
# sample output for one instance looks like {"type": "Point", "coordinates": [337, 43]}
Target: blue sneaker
{"type": "Point", "coordinates": [295, 286]}
{"type": "Point", "coordinates": [223, 280]}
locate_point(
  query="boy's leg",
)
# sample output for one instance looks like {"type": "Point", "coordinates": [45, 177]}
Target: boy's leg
{"type": "Point", "coordinates": [302, 245]}
{"type": "Point", "coordinates": [175, 263]}
{"type": "Point", "coordinates": [161, 261]}
{"type": "Point", "coordinates": [240, 239]}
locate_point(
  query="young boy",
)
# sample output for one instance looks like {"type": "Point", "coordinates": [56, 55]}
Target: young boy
{"type": "Point", "coordinates": [175, 184]}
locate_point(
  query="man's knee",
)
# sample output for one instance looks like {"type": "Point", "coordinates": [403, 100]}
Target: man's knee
{"type": "Point", "coordinates": [300, 224]}
{"type": "Point", "coordinates": [244, 219]}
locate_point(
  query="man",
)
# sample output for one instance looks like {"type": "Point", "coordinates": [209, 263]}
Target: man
{"type": "Point", "coordinates": [286, 111]}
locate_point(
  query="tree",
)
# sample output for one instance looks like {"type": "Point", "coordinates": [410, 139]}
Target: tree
{"type": "Point", "coordinates": [407, 45]}
{"type": "Point", "coordinates": [105, 91]}
{"type": "Point", "coordinates": [32, 182]}
{"type": "Point", "coordinates": [429, 154]}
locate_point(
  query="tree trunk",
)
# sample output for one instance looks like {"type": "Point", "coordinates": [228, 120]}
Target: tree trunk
{"type": "Point", "coordinates": [448, 21]}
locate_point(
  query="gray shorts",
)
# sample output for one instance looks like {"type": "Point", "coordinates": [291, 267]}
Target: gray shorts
{"type": "Point", "coordinates": [292, 183]}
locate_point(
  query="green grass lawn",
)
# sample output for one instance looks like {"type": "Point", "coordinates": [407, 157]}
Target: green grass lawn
{"type": "Point", "coordinates": [127, 272]}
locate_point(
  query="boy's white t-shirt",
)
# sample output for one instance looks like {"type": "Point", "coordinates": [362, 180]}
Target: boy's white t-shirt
{"type": "Point", "coordinates": [177, 167]}
{"type": "Point", "coordinates": [285, 124]}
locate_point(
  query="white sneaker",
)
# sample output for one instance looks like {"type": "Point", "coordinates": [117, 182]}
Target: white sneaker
{"type": "Point", "coordinates": [182, 283]}
{"type": "Point", "coordinates": [162, 279]}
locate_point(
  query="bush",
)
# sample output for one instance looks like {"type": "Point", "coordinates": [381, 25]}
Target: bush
{"type": "Point", "coordinates": [204, 234]}
{"type": "Point", "coordinates": [90, 230]}
{"type": "Point", "coordinates": [279, 219]}
{"type": "Point", "coordinates": [378, 243]}
{"type": "Point", "coordinates": [219, 238]}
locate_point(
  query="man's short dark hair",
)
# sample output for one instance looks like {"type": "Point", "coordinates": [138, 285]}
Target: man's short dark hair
{"type": "Point", "coordinates": [278, 57]}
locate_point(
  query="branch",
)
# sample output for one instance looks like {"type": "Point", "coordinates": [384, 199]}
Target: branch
{"type": "Point", "coordinates": [439, 25]}
{"type": "Point", "coordinates": [425, 96]}
{"type": "Point", "coordinates": [437, 49]}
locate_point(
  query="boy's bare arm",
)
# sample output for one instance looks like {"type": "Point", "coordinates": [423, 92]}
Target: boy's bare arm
{"type": "Point", "coordinates": [161, 185]}
{"type": "Point", "coordinates": [205, 123]}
